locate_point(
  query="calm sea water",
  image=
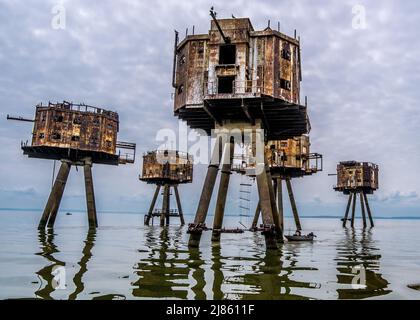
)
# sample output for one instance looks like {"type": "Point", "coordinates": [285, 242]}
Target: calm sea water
{"type": "Point", "coordinates": [125, 260]}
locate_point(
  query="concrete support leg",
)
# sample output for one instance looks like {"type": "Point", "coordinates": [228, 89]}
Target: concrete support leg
{"type": "Point", "coordinates": [280, 201]}
{"type": "Point", "coordinates": [362, 206]}
{"type": "Point", "coordinates": [266, 210]}
{"type": "Point", "coordinates": [368, 210]}
{"type": "Point", "coordinates": [152, 206]}
{"type": "Point", "coordinates": [53, 203]}
{"type": "Point", "coordinates": [223, 190]}
{"type": "Point", "coordinates": [90, 195]}
{"type": "Point", "coordinates": [346, 215]}
{"type": "Point", "coordinates": [293, 204]}
{"type": "Point", "coordinates": [165, 206]}
{"type": "Point", "coordinates": [276, 218]}
{"type": "Point", "coordinates": [353, 210]}
{"type": "Point", "coordinates": [256, 217]}
{"type": "Point", "coordinates": [178, 203]}
{"type": "Point", "coordinates": [206, 193]}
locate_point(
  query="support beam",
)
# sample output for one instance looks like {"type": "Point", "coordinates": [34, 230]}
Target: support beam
{"type": "Point", "coordinates": [178, 203]}
{"type": "Point", "coordinates": [256, 217]}
{"type": "Point", "coordinates": [266, 209]}
{"type": "Point", "coordinates": [293, 204]}
{"type": "Point", "coordinates": [280, 201]}
{"type": "Point", "coordinates": [353, 211]}
{"type": "Point", "coordinates": [90, 195]}
{"type": "Point", "coordinates": [368, 210]}
{"type": "Point", "coordinates": [206, 193]}
{"type": "Point", "coordinates": [346, 215]}
{"type": "Point", "coordinates": [362, 206]}
{"type": "Point", "coordinates": [53, 203]}
{"type": "Point", "coordinates": [152, 205]}
{"type": "Point", "coordinates": [223, 190]}
{"type": "Point", "coordinates": [276, 218]}
{"type": "Point", "coordinates": [165, 206]}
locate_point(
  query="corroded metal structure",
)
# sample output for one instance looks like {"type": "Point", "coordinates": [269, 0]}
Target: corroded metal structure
{"type": "Point", "coordinates": [76, 135]}
{"type": "Point", "coordinates": [166, 169]}
{"type": "Point", "coordinates": [355, 178]}
{"type": "Point", "coordinates": [237, 77]}
{"type": "Point", "coordinates": [286, 159]}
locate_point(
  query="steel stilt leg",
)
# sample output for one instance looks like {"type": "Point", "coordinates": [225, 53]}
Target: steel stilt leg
{"type": "Point", "coordinates": [353, 210]}
{"type": "Point", "coordinates": [293, 203]}
{"type": "Point", "coordinates": [280, 202]}
{"type": "Point", "coordinates": [223, 190]}
{"type": "Point", "coordinates": [256, 217]}
{"type": "Point", "coordinates": [362, 206]}
{"type": "Point", "coordinates": [178, 203]}
{"type": "Point", "coordinates": [90, 195]}
{"type": "Point", "coordinates": [368, 210]}
{"type": "Point", "coordinates": [53, 203]}
{"type": "Point", "coordinates": [346, 215]}
{"type": "Point", "coordinates": [165, 205]}
{"type": "Point", "coordinates": [152, 205]}
{"type": "Point", "coordinates": [206, 193]}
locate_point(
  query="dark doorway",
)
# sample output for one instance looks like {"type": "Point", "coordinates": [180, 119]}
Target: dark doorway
{"type": "Point", "coordinates": [227, 54]}
{"type": "Point", "coordinates": [226, 84]}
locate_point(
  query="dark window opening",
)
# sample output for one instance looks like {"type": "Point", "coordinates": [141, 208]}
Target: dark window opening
{"type": "Point", "coordinates": [77, 121]}
{"type": "Point", "coordinates": [285, 52]}
{"type": "Point", "coordinates": [56, 136]}
{"type": "Point", "coordinates": [75, 138]}
{"type": "Point", "coordinates": [227, 54]}
{"type": "Point", "coordinates": [182, 60]}
{"type": "Point", "coordinates": [226, 84]}
{"type": "Point", "coordinates": [58, 118]}
{"type": "Point", "coordinates": [41, 135]}
{"type": "Point", "coordinates": [286, 55]}
{"type": "Point", "coordinates": [180, 89]}
{"type": "Point", "coordinates": [96, 121]}
{"type": "Point", "coordinates": [285, 84]}
{"type": "Point", "coordinates": [284, 158]}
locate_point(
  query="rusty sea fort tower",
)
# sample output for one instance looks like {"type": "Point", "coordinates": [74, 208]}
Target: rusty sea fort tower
{"type": "Point", "coordinates": [237, 77]}
{"type": "Point", "coordinates": [76, 135]}
{"type": "Point", "coordinates": [166, 169]}
{"type": "Point", "coordinates": [357, 178]}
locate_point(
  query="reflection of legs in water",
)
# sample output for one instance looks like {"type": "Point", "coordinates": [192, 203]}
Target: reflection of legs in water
{"type": "Point", "coordinates": [162, 269]}
{"type": "Point", "coordinates": [358, 263]}
{"type": "Point", "coordinates": [218, 277]}
{"type": "Point", "coordinates": [87, 255]}
{"type": "Point", "coordinates": [48, 249]}
{"type": "Point", "coordinates": [195, 262]}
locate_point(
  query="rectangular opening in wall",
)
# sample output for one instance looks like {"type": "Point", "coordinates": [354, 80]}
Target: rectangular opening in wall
{"type": "Point", "coordinates": [285, 84]}
{"type": "Point", "coordinates": [225, 84]}
{"type": "Point", "coordinates": [227, 54]}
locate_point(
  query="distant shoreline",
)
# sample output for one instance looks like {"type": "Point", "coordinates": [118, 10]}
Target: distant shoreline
{"type": "Point", "coordinates": [210, 215]}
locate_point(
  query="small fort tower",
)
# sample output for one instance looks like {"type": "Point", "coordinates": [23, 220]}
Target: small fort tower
{"type": "Point", "coordinates": [288, 159]}
{"type": "Point", "coordinates": [235, 78]}
{"type": "Point", "coordinates": [355, 178]}
{"type": "Point", "coordinates": [76, 135]}
{"type": "Point", "coordinates": [166, 169]}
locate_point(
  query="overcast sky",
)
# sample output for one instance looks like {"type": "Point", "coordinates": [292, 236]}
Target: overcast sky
{"type": "Point", "coordinates": [362, 83]}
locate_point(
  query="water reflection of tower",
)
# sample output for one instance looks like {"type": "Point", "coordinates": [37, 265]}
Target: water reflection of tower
{"type": "Point", "coordinates": [165, 272]}
{"type": "Point", "coordinates": [48, 249]}
{"type": "Point", "coordinates": [269, 278]}
{"type": "Point", "coordinates": [358, 267]}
